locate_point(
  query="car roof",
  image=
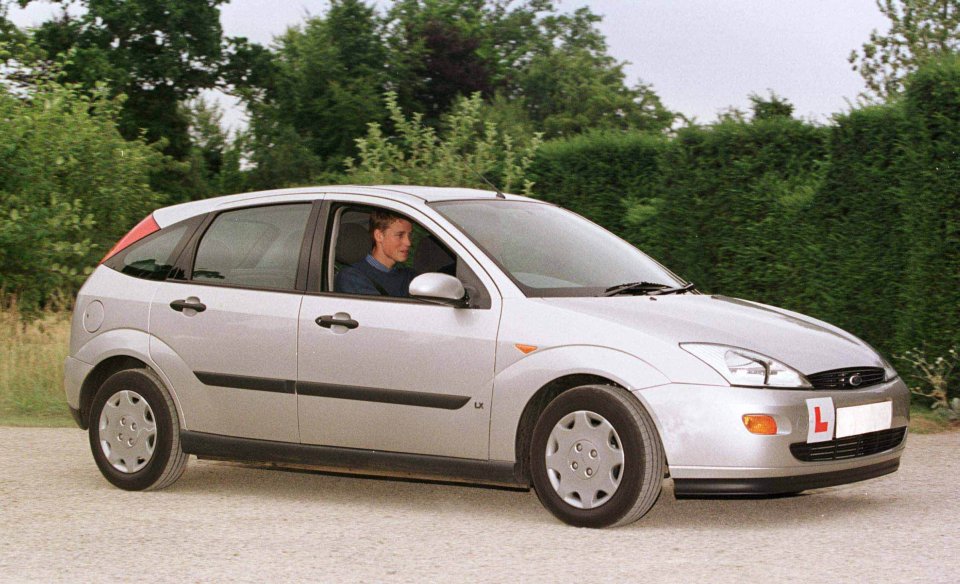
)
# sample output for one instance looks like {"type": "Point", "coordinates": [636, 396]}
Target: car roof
{"type": "Point", "coordinates": [405, 193]}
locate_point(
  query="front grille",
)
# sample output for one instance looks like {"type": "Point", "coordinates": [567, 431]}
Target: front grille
{"type": "Point", "coordinates": [847, 378]}
{"type": "Point", "coordinates": [850, 447]}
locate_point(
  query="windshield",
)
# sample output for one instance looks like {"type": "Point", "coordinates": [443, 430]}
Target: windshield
{"type": "Point", "coordinates": [549, 251]}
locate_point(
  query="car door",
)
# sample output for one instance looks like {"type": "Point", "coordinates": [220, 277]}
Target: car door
{"type": "Point", "coordinates": [225, 332]}
{"type": "Point", "coordinates": [400, 374]}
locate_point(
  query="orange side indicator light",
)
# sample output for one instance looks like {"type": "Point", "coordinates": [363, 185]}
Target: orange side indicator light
{"type": "Point", "coordinates": [525, 349]}
{"type": "Point", "coordinates": [760, 424]}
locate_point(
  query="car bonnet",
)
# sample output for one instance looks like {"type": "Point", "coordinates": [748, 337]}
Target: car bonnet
{"type": "Point", "coordinates": [801, 342]}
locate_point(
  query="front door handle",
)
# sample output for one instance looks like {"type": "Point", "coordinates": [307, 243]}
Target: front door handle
{"type": "Point", "coordinates": [180, 305]}
{"type": "Point", "coordinates": [327, 321]}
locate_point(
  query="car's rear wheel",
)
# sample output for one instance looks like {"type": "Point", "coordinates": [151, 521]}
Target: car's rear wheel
{"type": "Point", "coordinates": [596, 459]}
{"type": "Point", "coordinates": [135, 432]}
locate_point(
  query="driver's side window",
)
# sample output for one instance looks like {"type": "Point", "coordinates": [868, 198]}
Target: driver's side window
{"type": "Point", "coordinates": [362, 266]}
{"type": "Point", "coordinates": [357, 265]}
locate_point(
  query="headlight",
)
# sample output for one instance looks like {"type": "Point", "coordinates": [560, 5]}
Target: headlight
{"type": "Point", "coordinates": [746, 368]}
{"type": "Point", "coordinates": [889, 373]}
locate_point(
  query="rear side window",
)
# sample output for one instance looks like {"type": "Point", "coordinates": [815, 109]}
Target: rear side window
{"type": "Point", "coordinates": [151, 258]}
{"type": "Point", "coordinates": [257, 247]}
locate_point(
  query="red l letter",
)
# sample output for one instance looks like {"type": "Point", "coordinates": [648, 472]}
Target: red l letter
{"type": "Point", "coordinates": [820, 425]}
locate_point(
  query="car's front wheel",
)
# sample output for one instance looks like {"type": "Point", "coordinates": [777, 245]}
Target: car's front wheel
{"type": "Point", "coordinates": [135, 432]}
{"type": "Point", "coordinates": [596, 459]}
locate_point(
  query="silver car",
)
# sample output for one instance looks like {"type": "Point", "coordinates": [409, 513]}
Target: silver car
{"type": "Point", "coordinates": [459, 335]}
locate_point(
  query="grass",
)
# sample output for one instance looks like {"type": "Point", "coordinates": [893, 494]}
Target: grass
{"type": "Point", "coordinates": [923, 420]}
{"type": "Point", "coordinates": [31, 376]}
{"type": "Point", "coordinates": [31, 369]}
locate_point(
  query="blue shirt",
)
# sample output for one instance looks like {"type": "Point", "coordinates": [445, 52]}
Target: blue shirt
{"type": "Point", "coordinates": [360, 277]}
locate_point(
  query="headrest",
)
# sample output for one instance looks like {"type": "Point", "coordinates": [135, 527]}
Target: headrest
{"type": "Point", "coordinates": [353, 243]}
{"type": "Point", "coordinates": [432, 257]}
{"type": "Point", "coordinates": [214, 255]}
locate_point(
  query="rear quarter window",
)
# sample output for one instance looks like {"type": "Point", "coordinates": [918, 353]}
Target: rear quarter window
{"type": "Point", "coordinates": [152, 258]}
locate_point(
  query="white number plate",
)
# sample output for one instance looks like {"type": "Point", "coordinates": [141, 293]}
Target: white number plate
{"type": "Point", "coordinates": [863, 419]}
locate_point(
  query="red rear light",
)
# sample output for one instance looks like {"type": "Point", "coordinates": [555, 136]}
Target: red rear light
{"type": "Point", "coordinates": [143, 229]}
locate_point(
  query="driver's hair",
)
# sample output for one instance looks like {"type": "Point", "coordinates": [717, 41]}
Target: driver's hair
{"type": "Point", "coordinates": [382, 219]}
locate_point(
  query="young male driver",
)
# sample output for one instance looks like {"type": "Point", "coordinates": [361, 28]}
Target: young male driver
{"type": "Point", "coordinates": [379, 273]}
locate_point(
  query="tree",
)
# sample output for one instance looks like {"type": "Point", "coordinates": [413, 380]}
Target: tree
{"type": "Point", "coordinates": [278, 155]}
{"type": "Point", "coordinates": [440, 50]}
{"type": "Point", "coordinates": [20, 60]}
{"type": "Point", "coordinates": [158, 53]}
{"type": "Point", "coordinates": [772, 107]}
{"type": "Point", "coordinates": [207, 133]}
{"type": "Point", "coordinates": [70, 187]}
{"type": "Point", "coordinates": [216, 155]}
{"type": "Point", "coordinates": [534, 69]}
{"type": "Point", "coordinates": [569, 90]}
{"type": "Point", "coordinates": [919, 30]}
{"type": "Point", "coordinates": [571, 84]}
{"type": "Point", "coordinates": [465, 152]}
{"type": "Point", "coordinates": [326, 83]}
{"type": "Point", "coordinates": [555, 65]}
{"type": "Point", "coordinates": [10, 35]}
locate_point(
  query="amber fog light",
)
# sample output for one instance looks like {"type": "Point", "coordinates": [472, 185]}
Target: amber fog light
{"type": "Point", "coordinates": [760, 424]}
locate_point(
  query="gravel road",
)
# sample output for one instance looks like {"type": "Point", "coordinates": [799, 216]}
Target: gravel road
{"type": "Point", "coordinates": [61, 521]}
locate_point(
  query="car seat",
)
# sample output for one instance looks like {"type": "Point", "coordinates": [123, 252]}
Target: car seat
{"type": "Point", "coordinates": [432, 256]}
{"type": "Point", "coordinates": [353, 244]}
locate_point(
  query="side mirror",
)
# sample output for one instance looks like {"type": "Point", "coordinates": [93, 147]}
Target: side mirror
{"type": "Point", "coordinates": [439, 289]}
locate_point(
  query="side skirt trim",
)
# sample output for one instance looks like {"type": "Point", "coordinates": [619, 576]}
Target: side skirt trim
{"type": "Point", "coordinates": [351, 392]}
{"type": "Point", "coordinates": [386, 396]}
{"type": "Point", "coordinates": [352, 460]}
{"type": "Point", "coordinates": [244, 382]}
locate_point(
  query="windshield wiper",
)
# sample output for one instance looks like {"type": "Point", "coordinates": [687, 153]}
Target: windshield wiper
{"type": "Point", "coordinates": [633, 287]}
{"type": "Point", "coordinates": [648, 288]}
{"type": "Point", "coordinates": [678, 290]}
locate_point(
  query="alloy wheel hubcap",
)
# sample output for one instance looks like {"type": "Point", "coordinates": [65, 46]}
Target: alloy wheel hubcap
{"type": "Point", "coordinates": [584, 459]}
{"type": "Point", "coordinates": [128, 431]}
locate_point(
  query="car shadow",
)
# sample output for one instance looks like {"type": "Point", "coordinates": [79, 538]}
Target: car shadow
{"type": "Point", "coordinates": [410, 494]}
{"type": "Point", "coordinates": [808, 508]}
{"type": "Point", "coordinates": [337, 488]}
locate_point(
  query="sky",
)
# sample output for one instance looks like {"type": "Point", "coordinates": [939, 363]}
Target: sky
{"type": "Point", "coordinates": [701, 56]}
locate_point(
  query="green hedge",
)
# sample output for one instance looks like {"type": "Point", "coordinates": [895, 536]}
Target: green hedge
{"type": "Point", "coordinates": [928, 314]}
{"type": "Point", "coordinates": [598, 175]}
{"type": "Point", "coordinates": [858, 247]}
{"type": "Point", "coordinates": [727, 199]}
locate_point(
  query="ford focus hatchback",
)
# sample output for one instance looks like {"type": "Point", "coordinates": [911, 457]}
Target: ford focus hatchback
{"type": "Point", "coordinates": [459, 335]}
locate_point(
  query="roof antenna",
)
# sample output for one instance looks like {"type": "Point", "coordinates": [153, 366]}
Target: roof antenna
{"type": "Point", "coordinates": [500, 194]}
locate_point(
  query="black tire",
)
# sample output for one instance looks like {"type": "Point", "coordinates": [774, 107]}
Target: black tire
{"type": "Point", "coordinates": [640, 476]}
{"type": "Point", "coordinates": [167, 461]}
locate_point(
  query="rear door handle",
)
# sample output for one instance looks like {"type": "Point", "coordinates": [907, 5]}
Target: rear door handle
{"type": "Point", "coordinates": [180, 305]}
{"type": "Point", "coordinates": [327, 321]}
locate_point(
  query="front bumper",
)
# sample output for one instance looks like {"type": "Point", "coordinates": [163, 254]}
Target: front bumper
{"type": "Point", "coordinates": [743, 487]}
{"type": "Point", "coordinates": [710, 452]}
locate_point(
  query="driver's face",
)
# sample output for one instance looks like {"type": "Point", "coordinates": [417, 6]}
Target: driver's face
{"type": "Point", "coordinates": [393, 243]}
